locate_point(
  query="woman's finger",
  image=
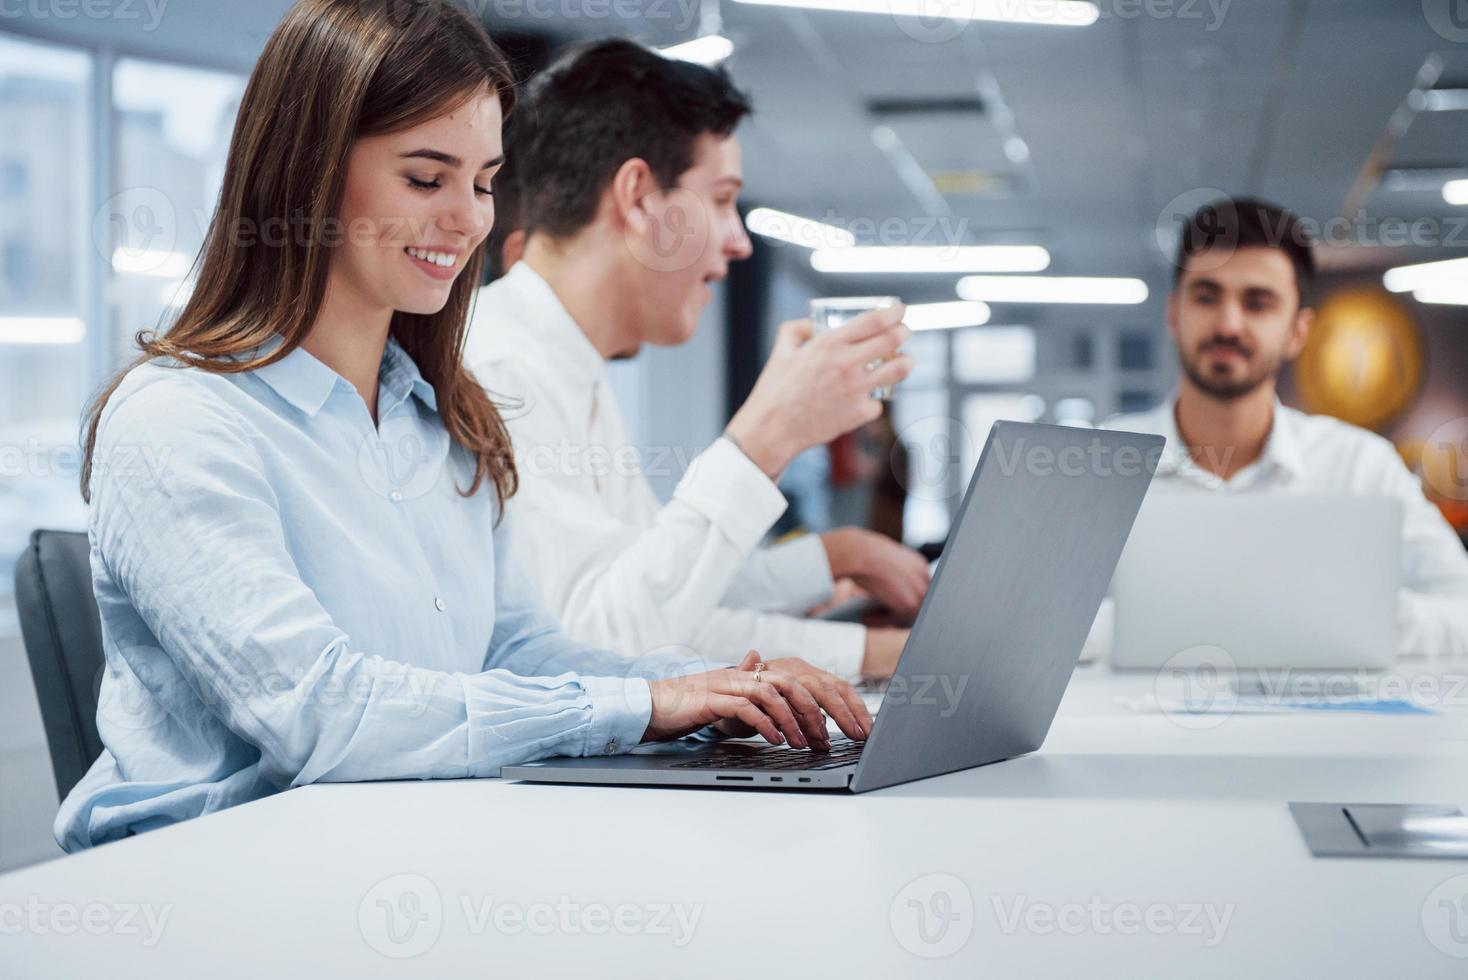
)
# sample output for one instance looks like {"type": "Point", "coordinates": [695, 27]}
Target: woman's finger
{"type": "Point", "coordinates": [858, 709]}
{"type": "Point", "coordinates": [742, 708]}
{"type": "Point", "coordinates": [827, 689]}
{"type": "Point", "coordinates": [769, 700]}
{"type": "Point", "coordinates": [805, 706]}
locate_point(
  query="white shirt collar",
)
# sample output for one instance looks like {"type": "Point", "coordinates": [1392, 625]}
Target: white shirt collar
{"type": "Point", "coordinates": [527, 310]}
{"type": "Point", "coordinates": [1281, 449]}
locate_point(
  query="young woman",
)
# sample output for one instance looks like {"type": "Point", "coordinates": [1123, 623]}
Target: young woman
{"type": "Point", "coordinates": [296, 491]}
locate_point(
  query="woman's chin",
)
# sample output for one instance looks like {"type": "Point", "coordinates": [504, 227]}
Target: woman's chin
{"type": "Point", "coordinates": [422, 304]}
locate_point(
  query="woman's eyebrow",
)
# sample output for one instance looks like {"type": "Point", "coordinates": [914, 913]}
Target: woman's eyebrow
{"type": "Point", "coordinates": [448, 159]}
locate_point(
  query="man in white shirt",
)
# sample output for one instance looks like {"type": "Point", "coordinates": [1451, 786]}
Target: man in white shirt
{"type": "Point", "coordinates": [628, 186]}
{"type": "Point", "coordinates": [1238, 312]}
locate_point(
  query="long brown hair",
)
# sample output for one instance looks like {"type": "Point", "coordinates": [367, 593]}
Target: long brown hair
{"type": "Point", "coordinates": [333, 71]}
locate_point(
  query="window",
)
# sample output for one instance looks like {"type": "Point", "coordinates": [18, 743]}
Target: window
{"type": "Point", "coordinates": [994, 355]}
{"type": "Point", "coordinates": [173, 131]}
{"type": "Point", "coordinates": [45, 244]}
{"type": "Point", "coordinates": [59, 243]}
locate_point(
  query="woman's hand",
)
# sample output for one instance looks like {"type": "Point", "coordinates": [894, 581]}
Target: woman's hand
{"type": "Point", "coordinates": [784, 702]}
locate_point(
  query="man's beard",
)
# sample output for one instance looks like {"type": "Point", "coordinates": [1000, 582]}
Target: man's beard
{"type": "Point", "coordinates": [1229, 389]}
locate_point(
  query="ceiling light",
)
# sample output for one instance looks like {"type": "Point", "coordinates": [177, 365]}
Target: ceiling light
{"type": "Point", "coordinates": [946, 316]}
{"type": "Point", "coordinates": [1423, 275]}
{"type": "Point", "coordinates": [909, 259]}
{"type": "Point", "coordinates": [796, 230]}
{"type": "Point", "coordinates": [41, 330]}
{"type": "Point", "coordinates": [165, 265]}
{"type": "Point", "coordinates": [707, 50]}
{"type": "Point", "coordinates": [1445, 100]}
{"type": "Point", "coordinates": [1054, 13]}
{"type": "Point", "coordinates": [1444, 294]}
{"type": "Point", "coordinates": [1053, 289]}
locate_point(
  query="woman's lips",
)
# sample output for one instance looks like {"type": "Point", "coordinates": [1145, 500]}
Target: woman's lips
{"type": "Point", "coordinates": [438, 272]}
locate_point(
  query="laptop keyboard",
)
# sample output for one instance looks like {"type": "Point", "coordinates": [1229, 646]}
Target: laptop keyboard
{"type": "Point", "coordinates": [844, 752]}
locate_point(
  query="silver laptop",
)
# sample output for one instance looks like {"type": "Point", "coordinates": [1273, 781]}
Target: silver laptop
{"type": "Point", "coordinates": [1271, 581]}
{"type": "Point", "coordinates": [1027, 564]}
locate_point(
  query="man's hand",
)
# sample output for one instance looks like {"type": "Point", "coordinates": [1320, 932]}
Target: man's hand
{"type": "Point", "coordinates": [892, 574]}
{"type": "Point", "coordinates": [884, 648]}
{"type": "Point", "coordinates": [783, 703]}
{"type": "Point", "coordinates": [810, 393]}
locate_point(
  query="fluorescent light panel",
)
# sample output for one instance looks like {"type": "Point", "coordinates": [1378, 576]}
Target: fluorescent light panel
{"type": "Point", "coordinates": [1426, 275]}
{"type": "Point", "coordinates": [1053, 289]}
{"type": "Point", "coordinates": [946, 316]}
{"type": "Point", "coordinates": [41, 330]}
{"type": "Point", "coordinates": [1049, 13]}
{"type": "Point", "coordinates": [1445, 100]}
{"type": "Point", "coordinates": [931, 259]}
{"type": "Point", "coordinates": [707, 50]}
{"type": "Point", "coordinates": [1442, 294]}
{"type": "Point", "coordinates": [796, 230]}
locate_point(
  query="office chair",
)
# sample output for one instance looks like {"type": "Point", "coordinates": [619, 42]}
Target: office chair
{"type": "Point", "coordinates": [63, 640]}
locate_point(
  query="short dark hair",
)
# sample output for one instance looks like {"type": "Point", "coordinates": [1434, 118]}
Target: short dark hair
{"type": "Point", "coordinates": [1249, 223]}
{"type": "Point", "coordinates": [603, 104]}
{"type": "Point", "coordinates": [509, 196]}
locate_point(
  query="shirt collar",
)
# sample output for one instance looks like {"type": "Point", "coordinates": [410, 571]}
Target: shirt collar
{"type": "Point", "coordinates": [553, 326]}
{"type": "Point", "coordinates": [1281, 448]}
{"type": "Point", "coordinates": [307, 383]}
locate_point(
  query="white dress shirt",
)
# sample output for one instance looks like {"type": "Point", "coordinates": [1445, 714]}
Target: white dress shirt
{"type": "Point", "coordinates": [618, 568]}
{"type": "Point", "coordinates": [1317, 454]}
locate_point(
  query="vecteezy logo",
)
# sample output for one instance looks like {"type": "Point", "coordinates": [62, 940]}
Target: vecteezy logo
{"type": "Point", "coordinates": [1195, 687]}
{"type": "Point", "coordinates": [933, 916]}
{"type": "Point", "coordinates": [1174, 216]}
{"type": "Point", "coordinates": [932, 21]}
{"type": "Point", "coordinates": [675, 239]}
{"type": "Point", "coordinates": [1445, 917]}
{"type": "Point", "coordinates": [936, 447]}
{"type": "Point", "coordinates": [1445, 459]}
{"type": "Point", "coordinates": [401, 916]}
{"type": "Point", "coordinates": [1447, 18]}
{"type": "Point", "coordinates": [403, 459]}
{"type": "Point", "coordinates": [136, 231]}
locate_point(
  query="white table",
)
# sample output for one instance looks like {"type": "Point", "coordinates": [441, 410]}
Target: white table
{"type": "Point", "coordinates": [1130, 846]}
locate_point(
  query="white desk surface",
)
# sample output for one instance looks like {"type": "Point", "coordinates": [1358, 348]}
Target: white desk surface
{"type": "Point", "coordinates": [1064, 856]}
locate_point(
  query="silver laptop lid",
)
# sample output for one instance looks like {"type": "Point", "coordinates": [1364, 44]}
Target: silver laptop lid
{"type": "Point", "coordinates": [1027, 563]}
{"type": "Point", "coordinates": [1259, 581]}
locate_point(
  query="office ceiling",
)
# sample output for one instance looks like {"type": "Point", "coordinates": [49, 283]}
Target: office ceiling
{"type": "Point", "coordinates": [1125, 122]}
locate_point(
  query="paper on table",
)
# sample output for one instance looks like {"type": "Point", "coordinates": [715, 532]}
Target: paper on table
{"type": "Point", "coordinates": [1256, 704]}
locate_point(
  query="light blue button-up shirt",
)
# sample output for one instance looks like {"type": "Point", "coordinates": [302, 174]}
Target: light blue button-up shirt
{"type": "Point", "coordinates": [290, 594]}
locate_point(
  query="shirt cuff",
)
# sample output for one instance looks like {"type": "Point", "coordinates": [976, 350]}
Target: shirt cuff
{"type": "Point", "coordinates": [726, 487]}
{"type": "Point", "coordinates": [836, 647]}
{"type": "Point", "coordinates": [802, 571]}
{"type": "Point", "coordinates": [621, 708]}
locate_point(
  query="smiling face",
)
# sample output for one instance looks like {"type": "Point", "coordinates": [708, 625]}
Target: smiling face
{"type": "Point", "coordinates": [686, 239]}
{"type": "Point", "coordinates": [1236, 320]}
{"type": "Point", "coordinates": [417, 204]}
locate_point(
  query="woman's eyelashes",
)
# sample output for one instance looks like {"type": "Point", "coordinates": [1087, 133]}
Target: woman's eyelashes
{"type": "Point", "coordinates": [436, 183]}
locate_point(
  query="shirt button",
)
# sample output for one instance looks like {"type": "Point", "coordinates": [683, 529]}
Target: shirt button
{"type": "Point", "coordinates": [440, 605]}
{"type": "Point", "coordinates": [612, 747]}
{"type": "Point", "coordinates": [395, 497]}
